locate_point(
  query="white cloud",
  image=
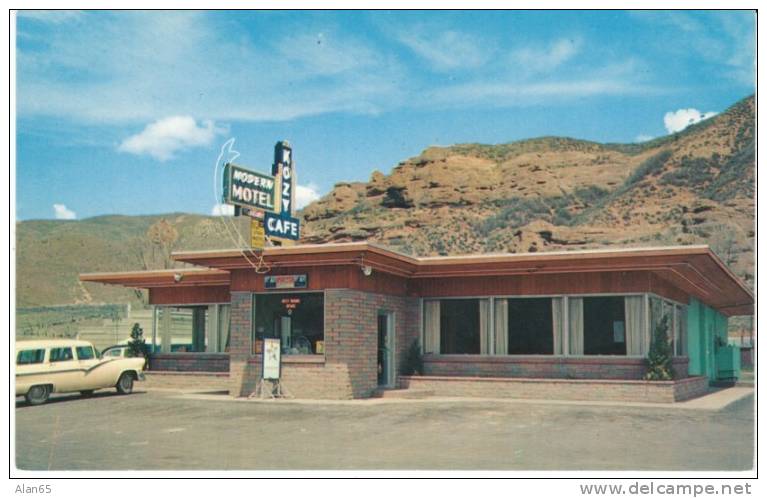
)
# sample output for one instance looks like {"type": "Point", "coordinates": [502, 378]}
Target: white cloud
{"type": "Point", "coordinates": [643, 138]}
{"type": "Point", "coordinates": [446, 50]}
{"type": "Point", "coordinates": [61, 212]}
{"type": "Point", "coordinates": [679, 120]}
{"type": "Point", "coordinates": [137, 67]}
{"type": "Point", "coordinates": [222, 210]}
{"type": "Point", "coordinates": [306, 194]}
{"type": "Point", "coordinates": [541, 59]}
{"type": "Point", "coordinates": [163, 138]}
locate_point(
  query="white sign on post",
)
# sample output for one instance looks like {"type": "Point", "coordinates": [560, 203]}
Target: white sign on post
{"type": "Point", "coordinates": [271, 359]}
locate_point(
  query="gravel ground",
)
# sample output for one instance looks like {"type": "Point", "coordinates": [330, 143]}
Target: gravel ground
{"type": "Point", "coordinates": [164, 430]}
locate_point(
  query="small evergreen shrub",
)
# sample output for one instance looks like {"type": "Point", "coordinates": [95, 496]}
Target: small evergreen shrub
{"type": "Point", "coordinates": [137, 345]}
{"type": "Point", "coordinates": [413, 364]}
{"type": "Point", "coordinates": [659, 358]}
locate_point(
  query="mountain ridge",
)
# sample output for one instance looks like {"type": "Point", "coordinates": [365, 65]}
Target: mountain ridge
{"type": "Point", "coordinates": [537, 194]}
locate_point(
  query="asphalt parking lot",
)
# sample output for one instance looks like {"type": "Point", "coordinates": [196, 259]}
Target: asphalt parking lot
{"type": "Point", "coordinates": [166, 430]}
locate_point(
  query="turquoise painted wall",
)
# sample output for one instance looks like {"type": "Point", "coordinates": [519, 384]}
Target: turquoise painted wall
{"type": "Point", "coordinates": [704, 326]}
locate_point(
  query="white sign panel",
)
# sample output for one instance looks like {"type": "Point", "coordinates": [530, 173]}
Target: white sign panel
{"type": "Point", "coordinates": [271, 359]}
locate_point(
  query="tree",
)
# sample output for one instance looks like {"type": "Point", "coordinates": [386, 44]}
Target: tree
{"type": "Point", "coordinates": [137, 345]}
{"type": "Point", "coordinates": [659, 366]}
{"type": "Point", "coordinates": [153, 251]}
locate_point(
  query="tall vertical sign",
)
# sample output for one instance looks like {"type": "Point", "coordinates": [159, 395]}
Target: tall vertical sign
{"type": "Point", "coordinates": [283, 225]}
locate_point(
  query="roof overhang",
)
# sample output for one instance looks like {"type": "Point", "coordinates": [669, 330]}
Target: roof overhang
{"type": "Point", "coordinates": [188, 277]}
{"type": "Point", "coordinates": [302, 256]}
{"type": "Point", "coordinates": [693, 269]}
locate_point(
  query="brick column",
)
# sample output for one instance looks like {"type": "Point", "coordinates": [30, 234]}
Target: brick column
{"type": "Point", "coordinates": [240, 381]}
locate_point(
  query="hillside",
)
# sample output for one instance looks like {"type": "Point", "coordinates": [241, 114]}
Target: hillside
{"type": "Point", "coordinates": [554, 193]}
{"type": "Point", "coordinates": [541, 194]}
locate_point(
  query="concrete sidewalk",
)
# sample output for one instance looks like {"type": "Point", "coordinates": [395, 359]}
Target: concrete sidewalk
{"type": "Point", "coordinates": [715, 400]}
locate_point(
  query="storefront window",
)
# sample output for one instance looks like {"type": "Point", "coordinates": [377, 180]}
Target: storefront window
{"type": "Point", "coordinates": [530, 326]}
{"type": "Point", "coordinates": [604, 326]}
{"type": "Point", "coordinates": [191, 329]}
{"type": "Point", "coordinates": [298, 320]}
{"type": "Point", "coordinates": [676, 320]}
{"type": "Point", "coordinates": [459, 326]}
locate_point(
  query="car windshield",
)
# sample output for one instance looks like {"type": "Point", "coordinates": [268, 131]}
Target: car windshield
{"type": "Point", "coordinates": [112, 352]}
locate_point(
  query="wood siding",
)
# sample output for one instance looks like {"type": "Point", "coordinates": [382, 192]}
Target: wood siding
{"type": "Point", "coordinates": [190, 295]}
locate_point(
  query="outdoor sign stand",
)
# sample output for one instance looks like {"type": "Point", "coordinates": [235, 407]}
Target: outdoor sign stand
{"type": "Point", "coordinates": [270, 386]}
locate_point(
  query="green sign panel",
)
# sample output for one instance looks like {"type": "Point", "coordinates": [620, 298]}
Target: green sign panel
{"type": "Point", "coordinates": [247, 188]}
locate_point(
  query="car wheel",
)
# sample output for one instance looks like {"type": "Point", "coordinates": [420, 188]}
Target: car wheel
{"type": "Point", "coordinates": [86, 394]}
{"type": "Point", "coordinates": [125, 383]}
{"type": "Point", "coordinates": [37, 395]}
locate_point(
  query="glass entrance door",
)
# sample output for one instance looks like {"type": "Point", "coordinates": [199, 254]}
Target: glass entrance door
{"type": "Point", "coordinates": [385, 341]}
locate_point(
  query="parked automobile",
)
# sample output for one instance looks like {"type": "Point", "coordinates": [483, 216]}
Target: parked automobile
{"type": "Point", "coordinates": [62, 365]}
{"type": "Point", "coordinates": [116, 351]}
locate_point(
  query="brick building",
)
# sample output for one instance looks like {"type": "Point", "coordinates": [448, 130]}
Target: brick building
{"type": "Point", "coordinates": [567, 324]}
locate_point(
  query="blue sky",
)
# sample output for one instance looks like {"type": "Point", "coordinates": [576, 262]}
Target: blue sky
{"type": "Point", "coordinates": [125, 112]}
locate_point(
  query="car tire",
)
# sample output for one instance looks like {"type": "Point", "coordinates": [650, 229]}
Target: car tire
{"type": "Point", "coordinates": [37, 395]}
{"type": "Point", "coordinates": [86, 394]}
{"type": "Point", "coordinates": [125, 383]}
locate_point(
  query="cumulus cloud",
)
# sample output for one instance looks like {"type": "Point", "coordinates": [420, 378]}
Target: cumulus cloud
{"type": "Point", "coordinates": [643, 138]}
{"type": "Point", "coordinates": [679, 120]}
{"type": "Point", "coordinates": [306, 194]}
{"type": "Point", "coordinates": [222, 210]}
{"type": "Point", "coordinates": [61, 212]}
{"type": "Point", "coordinates": [163, 138]}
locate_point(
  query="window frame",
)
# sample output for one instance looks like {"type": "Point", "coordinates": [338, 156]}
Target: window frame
{"type": "Point", "coordinates": [566, 320]}
{"type": "Point", "coordinates": [93, 352]}
{"type": "Point", "coordinates": [45, 354]}
{"type": "Point", "coordinates": [286, 357]}
{"type": "Point", "coordinates": [156, 323]}
{"type": "Point", "coordinates": [71, 357]}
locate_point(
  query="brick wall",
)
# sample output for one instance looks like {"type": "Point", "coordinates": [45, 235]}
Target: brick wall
{"type": "Point", "coordinates": [691, 387]}
{"type": "Point", "coordinates": [348, 368]}
{"type": "Point", "coordinates": [189, 362]}
{"type": "Point", "coordinates": [602, 367]}
{"type": "Point", "coordinates": [185, 381]}
{"type": "Point", "coordinates": [560, 389]}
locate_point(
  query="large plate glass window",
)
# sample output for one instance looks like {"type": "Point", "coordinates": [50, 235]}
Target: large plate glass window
{"type": "Point", "coordinates": [297, 319]}
{"type": "Point", "coordinates": [604, 325]}
{"type": "Point", "coordinates": [457, 326]}
{"type": "Point", "coordinates": [528, 326]}
{"type": "Point", "coordinates": [192, 329]}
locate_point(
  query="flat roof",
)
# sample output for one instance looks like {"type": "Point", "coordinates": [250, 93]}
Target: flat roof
{"type": "Point", "coordinates": [160, 278]}
{"type": "Point", "coordinates": [693, 268]}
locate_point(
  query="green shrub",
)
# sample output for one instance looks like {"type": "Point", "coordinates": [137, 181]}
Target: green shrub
{"type": "Point", "coordinates": [650, 166]}
{"type": "Point", "coordinates": [137, 345]}
{"type": "Point", "coordinates": [413, 364]}
{"type": "Point", "coordinates": [659, 366]}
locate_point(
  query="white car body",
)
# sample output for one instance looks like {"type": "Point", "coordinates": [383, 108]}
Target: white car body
{"type": "Point", "coordinates": [62, 365]}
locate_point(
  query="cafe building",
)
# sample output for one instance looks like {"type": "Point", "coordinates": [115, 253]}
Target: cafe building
{"type": "Point", "coordinates": [565, 325]}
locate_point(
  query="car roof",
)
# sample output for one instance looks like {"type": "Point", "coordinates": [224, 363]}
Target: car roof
{"type": "Point", "coordinates": [50, 343]}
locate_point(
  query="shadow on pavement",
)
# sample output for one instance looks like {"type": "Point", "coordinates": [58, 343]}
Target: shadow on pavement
{"type": "Point", "coordinates": [74, 397]}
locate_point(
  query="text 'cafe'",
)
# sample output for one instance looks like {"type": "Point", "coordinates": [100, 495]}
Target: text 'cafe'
{"type": "Point", "coordinates": [349, 317]}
